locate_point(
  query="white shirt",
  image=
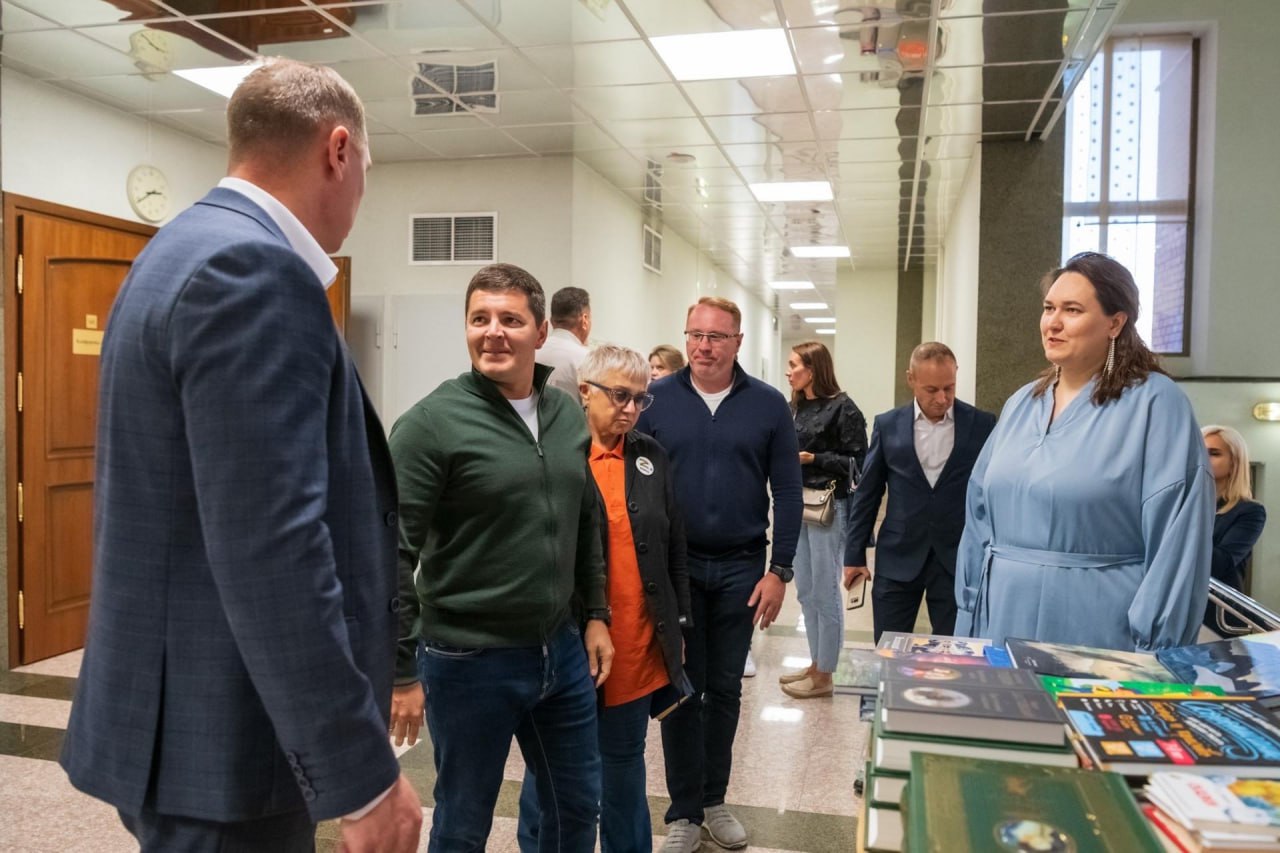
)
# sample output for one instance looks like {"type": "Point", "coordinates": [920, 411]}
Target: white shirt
{"type": "Point", "coordinates": [934, 442]}
{"type": "Point", "coordinates": [527, 409]}
{"type": "Point", "coordinates": [713, 401]}
{"type": "Point", "coordinates": [564, 352]}
{"type": "Point", "coordinates": [299, 238]}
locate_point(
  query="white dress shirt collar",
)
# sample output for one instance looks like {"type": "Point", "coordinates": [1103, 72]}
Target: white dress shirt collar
{"type": "Point", "coordinates": [300, 239]}
{"type": "Point", "coordinates": [949, 416]}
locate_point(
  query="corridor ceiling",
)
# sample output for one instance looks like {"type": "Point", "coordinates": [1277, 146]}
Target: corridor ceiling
{"type": "Point", "coordinates": [883, 99]}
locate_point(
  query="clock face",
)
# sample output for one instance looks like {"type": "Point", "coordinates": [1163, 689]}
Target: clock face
{"type": "Point", "coordinates": [148, 191]}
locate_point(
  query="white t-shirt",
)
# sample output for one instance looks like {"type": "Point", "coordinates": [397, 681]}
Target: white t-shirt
{"type": "Point", "coordinates": [527, 409]}
{"type": "Point", "coordinates": [713, 401]}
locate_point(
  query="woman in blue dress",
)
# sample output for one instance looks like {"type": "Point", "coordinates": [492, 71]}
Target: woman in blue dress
{"type": "Point", "coordinates": [1089, 516]}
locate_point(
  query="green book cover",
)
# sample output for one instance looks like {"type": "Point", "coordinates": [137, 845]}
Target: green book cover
{"type": "Point", "coordinates": [1058, 686]}
{"type": "Point", "coordinates": [964, 805]}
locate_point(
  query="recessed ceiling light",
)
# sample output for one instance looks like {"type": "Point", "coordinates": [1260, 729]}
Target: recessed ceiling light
{"type": "Point", "coordinates": [820, 251]}
{"type": "Point", "coordinates": [827, 331]}
{"type": "Point", "coordinates": [792, 191]}
{"type": "Point", "coordinates": [791, 285]}
{"type": "Point", "coordinates": [726, 56]}
{"type": "Point", "coordinates": [819, 319]}
{"type": "Point", "coordinates": [809, 306]}
{"type": "Point", "coordinates": [222, 80]}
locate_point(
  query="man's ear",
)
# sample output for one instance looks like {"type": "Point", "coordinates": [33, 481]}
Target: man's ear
{"type": "Point", "coordinates": [340, 150]}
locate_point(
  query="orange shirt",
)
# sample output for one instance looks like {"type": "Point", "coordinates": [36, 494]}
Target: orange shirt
{"type": "Point", "coordinates": [638, 668]}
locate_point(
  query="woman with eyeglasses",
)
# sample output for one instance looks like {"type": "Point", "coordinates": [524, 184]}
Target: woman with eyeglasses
{"type": "Point", "coordinates": [1089, 516]}
{"type": "Point", "coordinates": [647, 586]}
{"type": "Point", "coordinates": [832, 434]}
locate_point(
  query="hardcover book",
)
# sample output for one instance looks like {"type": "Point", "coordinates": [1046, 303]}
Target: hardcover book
{"type": "Point", "coordinates": [899, 644]}
{"type": "Point", "coordinates": [1241, 664]}
{"type": "Point", "coordinates": [1069, 661]}
{"type": "Point", "coordinates": [1228, 734]}
{"type": "Point", "coordinates": [1056, 686]}
{"type": "Point", "coordinates": [857, 671]}
{"type": "Point", "coordinates": [1219, 803]}
{"type": "Point", "coordinates": [961, 805]}
{"type": "Point", "coordinates": [892, 752]}
{"type": "Point", "coordinates": [968, 702]}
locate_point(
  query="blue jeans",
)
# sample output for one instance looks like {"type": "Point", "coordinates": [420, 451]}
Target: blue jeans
{"type": "Point", "coordinates": [697, 738]}
{"type": "Point", "coordinates": [819, 563]}
{"type": "Point", "coordinates": [477, 699]}
{"type": "Point", "coordinates": [624, 805]}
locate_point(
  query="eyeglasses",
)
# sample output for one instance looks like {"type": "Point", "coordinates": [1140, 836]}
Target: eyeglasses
{"type": "Point", "coordinates": [621, 396]}
{"type": "Point", "coordinates": [713, 338]}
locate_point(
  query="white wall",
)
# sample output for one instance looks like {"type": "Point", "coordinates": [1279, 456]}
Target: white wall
{"type": "Point", "coordinates": [957, 295]}
{"type": "Point", "coordinates": [867, 308]}
{"type": "Point", "coordinates": [61, 148]}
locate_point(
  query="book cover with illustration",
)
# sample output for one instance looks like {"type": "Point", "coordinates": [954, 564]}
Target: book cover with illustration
{"type": "Point", "coordinates": [857, 671]}
{"type": "Point", "coordinates": [1241, 664]}
{"type": "Point", "coordinates": [1137, 736]}
{"type": "Point", "coordinates": [896, 644]}
{"type": "Point", "coordinates": [964, 702]}
{"type": "Point", "coordinates": [1057, 686]}
{"type": "Point", "coordinates": [965, 805]}
{"type": "Point", "coordinates": [1068, 661]}
{"type": "Point", "coordinates": [1218, 803]}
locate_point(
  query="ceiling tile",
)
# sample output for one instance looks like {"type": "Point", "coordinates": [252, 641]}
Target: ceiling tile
{"type": "Point", "coordinates": [80, 13]}
{"type": "Point", "coordinates": [482, 142]}
{"type": "Point", "coordinates": [546, 139]}
{"type": "Point", "coordinates": [746, 97]}
{"type": "Point", "coordinates": [644, 101]}
{"type": "Point", "coordinates": [66, 53]}
{"type": "Point", "coordinates": [398, 115]}
{"type": "Point", "coordinates": [613, 63]}
{"type": "Point", "coordinates": [393, 148]}
{"type": "Point", "coordinates": [16, 19]}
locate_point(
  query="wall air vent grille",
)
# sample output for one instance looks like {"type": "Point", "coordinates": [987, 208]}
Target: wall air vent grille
{"type": "Point", "coordinates": [453, 238]}
{"type": "Point", "coordinates": [652, 250]}
{"type": "Point", "coordinates": [454, 88]}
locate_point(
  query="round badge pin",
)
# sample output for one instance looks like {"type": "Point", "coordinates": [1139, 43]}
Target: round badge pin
{"type": "Point", "coordinates": [644, 466]}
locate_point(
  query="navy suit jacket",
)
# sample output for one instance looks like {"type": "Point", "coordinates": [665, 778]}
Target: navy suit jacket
{"type": "Point", "coordinates": [242, 622]}
{"type": "Point", "coordinates": [919, 517]}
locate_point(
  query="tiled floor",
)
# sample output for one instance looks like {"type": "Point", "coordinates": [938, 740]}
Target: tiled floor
{"type": "Point", "coordinates": [792, 786]}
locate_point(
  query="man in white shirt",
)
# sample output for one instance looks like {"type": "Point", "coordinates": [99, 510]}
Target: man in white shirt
{"type": "Point", "coordinates": [566, 346]}
{"type": "Point", "coordinates": [922, 453]}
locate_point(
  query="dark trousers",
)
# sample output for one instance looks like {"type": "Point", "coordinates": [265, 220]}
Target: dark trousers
{"type": "Point", "coordinates": [895, 604]}
{"type": "Point", "coordinates": [292, 832]}
{"type": "Point", "coordinates": [697, 739]}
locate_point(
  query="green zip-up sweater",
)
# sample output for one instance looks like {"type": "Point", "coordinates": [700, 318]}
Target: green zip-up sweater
{"type": "Point", "coordinates": [504, 526]}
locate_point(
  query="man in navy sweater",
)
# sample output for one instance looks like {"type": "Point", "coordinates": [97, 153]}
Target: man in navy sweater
{"type": "Point", "coordinates": [731, 441]}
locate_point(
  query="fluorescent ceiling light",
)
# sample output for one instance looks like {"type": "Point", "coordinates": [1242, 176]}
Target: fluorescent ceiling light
{"type": "Point", "coordinates": [830, 330]}
{"type": "Point", "coordinates": [819, 319]}
{"type": "Point", "coordinates": [820, 251]}
{"type": "Point", "coordinates": [222, 80]}
{"type": "Point", "coordinates": [792, 191]}
{"type": "Point", "coordinates": [791, 285]}
{"type": "Point", "coordinates": [809, 306]}
{"type": "Point", "coordinates": [726, 56]}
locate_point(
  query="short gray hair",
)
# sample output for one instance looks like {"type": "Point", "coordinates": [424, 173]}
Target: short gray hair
{"type": "Point", "coordinates": [608, 358]}
{"type": "Point", "coordinates": [286, 103]}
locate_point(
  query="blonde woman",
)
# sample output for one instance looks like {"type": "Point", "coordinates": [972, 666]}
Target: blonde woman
{"type": "Point", "coordinates": [664, 361]}
{"type": "Point", "coordinates": [1239, 520]}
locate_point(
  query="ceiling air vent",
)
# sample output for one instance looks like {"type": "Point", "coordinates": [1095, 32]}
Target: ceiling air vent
{"type": "Point", "coordinates": [453, 238]}
{"type": "Point", "coordinates": [461, 88]}
{"type": "Point", "coordinates": [652, 250]}
{"type": "Point", "coordinates": [653, 183]}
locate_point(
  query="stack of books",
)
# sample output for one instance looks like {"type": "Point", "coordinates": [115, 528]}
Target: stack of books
{"type": "Point", "coordinates": [1215, 813]}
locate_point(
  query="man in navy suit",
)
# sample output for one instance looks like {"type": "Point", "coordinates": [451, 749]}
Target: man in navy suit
{"type": "Point", "coordinates": [237, 676]}
{"type": "Point", "coordinates": [923, 453]}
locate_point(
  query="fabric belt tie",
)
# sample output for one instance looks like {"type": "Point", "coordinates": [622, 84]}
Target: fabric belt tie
{"type": "Point", "coordinates": [1036, 557]}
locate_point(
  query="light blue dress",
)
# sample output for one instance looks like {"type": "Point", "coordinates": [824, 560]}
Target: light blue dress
{"type": "Point", "coordinates": [1095, 530]}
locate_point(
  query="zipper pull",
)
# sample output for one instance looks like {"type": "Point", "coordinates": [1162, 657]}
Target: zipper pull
{"type": "Point", "coordinates": [538, 445]}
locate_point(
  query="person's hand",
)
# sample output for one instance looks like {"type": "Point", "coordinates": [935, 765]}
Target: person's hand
{"type": "Point", "coordinates": [767, 598]}
{"type": "Point", "coordinates": [407, 704]}
{"type": "Point", "coordinates": [806, 458]}
{"type": "Point", "coordinates": [852, 574]}
{"type": "Point", "coordinates": [599, 650]}
{"type": "Point", "coordinates": [392, 826]}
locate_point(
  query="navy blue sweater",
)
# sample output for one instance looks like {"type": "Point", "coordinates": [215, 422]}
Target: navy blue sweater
{"type": "Point", "coordinates": [726, 464]}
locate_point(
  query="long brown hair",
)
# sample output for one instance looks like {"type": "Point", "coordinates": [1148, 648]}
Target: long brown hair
{"type": "Point", "coordinates": [1116, 291]}
{"type": "Point", "coordinates": [817, 358]}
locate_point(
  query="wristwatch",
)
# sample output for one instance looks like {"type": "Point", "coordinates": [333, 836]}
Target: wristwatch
{"type": "Point", "coordinates": [784, 573]}
{"type": "Point", "coordinates": [601, 614]}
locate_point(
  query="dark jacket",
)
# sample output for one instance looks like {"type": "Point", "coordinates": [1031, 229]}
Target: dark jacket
{"type": "Point", "coordinates": [658, 532]}
{"type": "Point", "coordinates": [504, 526]}
{"type": "Point", "coordinates": [1234, 534]}
{"type": "Point", "coordinates": [727, 464]}
{"type": "Point", "coordinates": [835, 432]}
{"type": "Point", "coordinates": [919, 517]}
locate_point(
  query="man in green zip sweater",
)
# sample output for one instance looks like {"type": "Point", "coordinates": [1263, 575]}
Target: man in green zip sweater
{"type": "Point", "coordinates": [498, 510]}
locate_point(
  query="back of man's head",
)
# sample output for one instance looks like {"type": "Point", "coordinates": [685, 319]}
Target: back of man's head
{"type": "Point", "coordinates": [285, 105]}
{"type": "Point", "coordinates": [568, 304]}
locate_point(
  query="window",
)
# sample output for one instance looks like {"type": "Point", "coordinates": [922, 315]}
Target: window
{"type": "Point", "coordinates": [1130, 166]}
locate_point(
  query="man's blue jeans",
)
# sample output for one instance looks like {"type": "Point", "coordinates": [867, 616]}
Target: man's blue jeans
{"type": "Point", "coordinates": [477, 699]}
{"type": "Point", "coordinates": [697, 738]}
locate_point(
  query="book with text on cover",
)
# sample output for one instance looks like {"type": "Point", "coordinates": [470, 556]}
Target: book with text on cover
{"type": "Point", "coordinates": [898, 644]}
{"type": "Point", "coordinates": [962, 805]}
{"type": "Point", "coordinates": [1068, 661]}
{"type": "Point", "coordinates": [1136, 736]}
{"type": "Point", "coordinates": [1219, 803]}
{"type": "Point", "coordinates": [1238, 665]}
{"type": "Point", "coordinates": [968, 702]}
{"type": "Point", "coordinates": [1056, 687]}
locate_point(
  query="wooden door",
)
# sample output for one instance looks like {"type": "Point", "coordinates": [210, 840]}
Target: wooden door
{"type": "Point", "coordinates": [70, 265]}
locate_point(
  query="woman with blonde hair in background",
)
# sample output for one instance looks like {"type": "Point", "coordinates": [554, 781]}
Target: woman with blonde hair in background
{"type": "Point", "coordinates": [664, 361]}
{"type": "Point", "coordinates": [1239, 520]}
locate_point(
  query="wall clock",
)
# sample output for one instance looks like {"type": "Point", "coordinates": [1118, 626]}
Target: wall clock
{"type": "Point", "coordinates": [148, 191]}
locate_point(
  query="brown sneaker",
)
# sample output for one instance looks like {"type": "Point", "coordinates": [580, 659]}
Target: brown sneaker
{"type": "Point", "coordinates": [793, 676]}
{"type": "Point", "coordinates": [805, 689]}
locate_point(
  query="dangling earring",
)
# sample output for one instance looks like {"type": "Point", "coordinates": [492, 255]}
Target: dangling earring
{"type": "Point", "coordinates": [1111, 358]}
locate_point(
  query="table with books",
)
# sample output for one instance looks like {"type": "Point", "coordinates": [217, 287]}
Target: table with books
{"type": "Point", "coordinates": [1040, 746]}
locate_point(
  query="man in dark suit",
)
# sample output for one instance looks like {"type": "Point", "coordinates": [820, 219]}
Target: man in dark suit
{"type": "Point", "coordinates": [923, 453]}
{"type": "Point", "coordinates": [237, 677]}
